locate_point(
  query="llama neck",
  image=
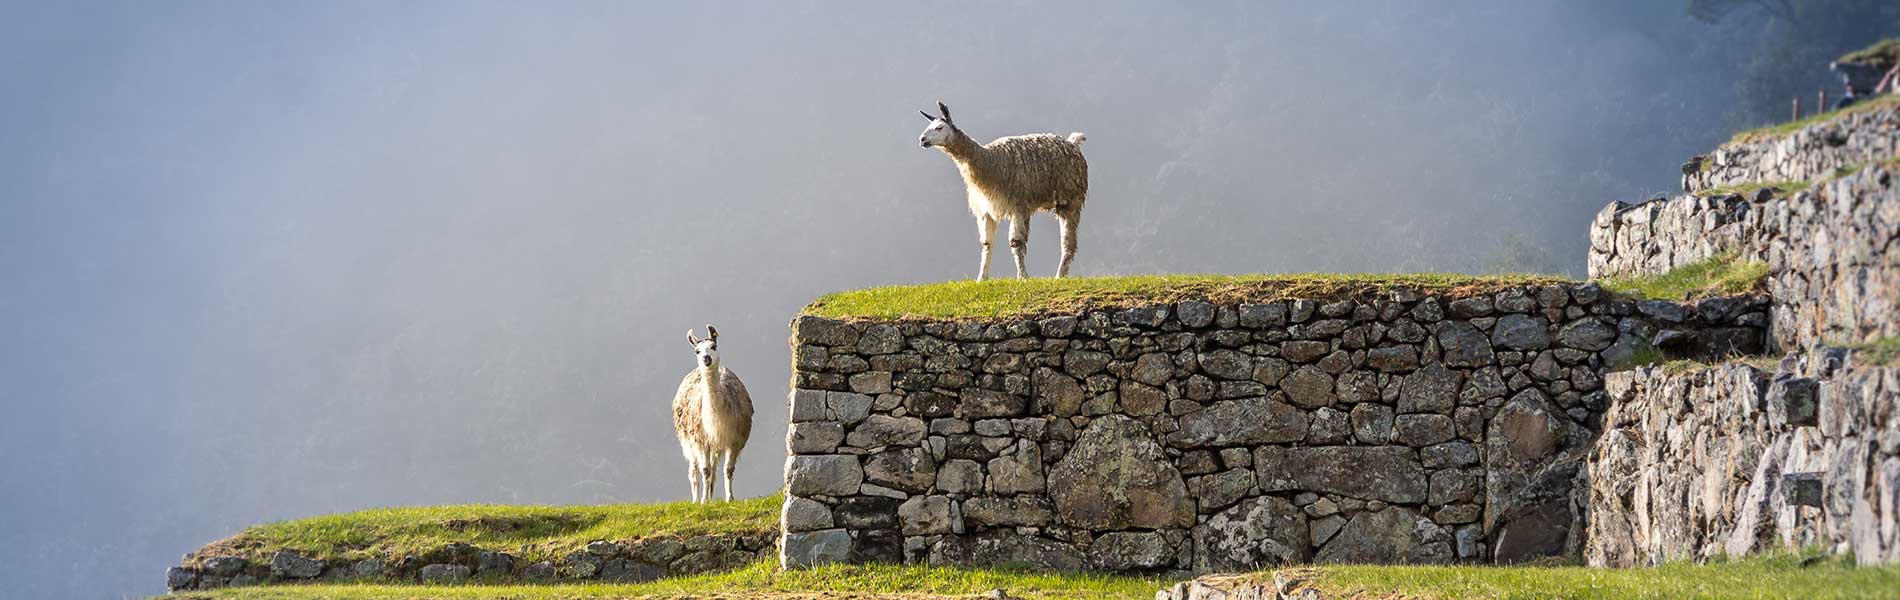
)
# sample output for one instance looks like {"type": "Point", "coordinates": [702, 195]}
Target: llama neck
{"type": "Point", "coordinates": [963, 149]}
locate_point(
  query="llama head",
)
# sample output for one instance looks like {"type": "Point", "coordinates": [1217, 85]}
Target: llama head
{"type": "Point", "coordinates": [940, 130]}
{"type": "Point", "coordinates": [706, 349]}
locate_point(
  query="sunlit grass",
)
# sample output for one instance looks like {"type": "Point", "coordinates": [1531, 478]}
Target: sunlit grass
{"type": "Point", "coordinates": [1778, 130]}
{"type": "Point", "coordinates": [532, 532]}
{"type": "Point", "coordinates": [760, 580]}
{"type": "Point", "coordinates": [1782, 188]}
{"type": "Point", "coordinates": [1881, 352]}
{"type": "Point", "coordinates": [1011, 298]}
{"type": "Point", "coordinates": [1724, 274]}
{"type": "Point", "coordinates": [1785, 576]}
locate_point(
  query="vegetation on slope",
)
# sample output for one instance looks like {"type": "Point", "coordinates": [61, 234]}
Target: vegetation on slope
{"type": "Point", "coordinates": [1012, 298]}
{"type": "Point", "coordinates": [1878, 102]}
{"type": "Point", "coordinates": [761, 580]}
{"type": "Point", "coordinates": [1881, 352]}
{"type": "Point", "coordinates": [1723, 274]}
{"type": "Point", "coordinates": [1785, 576]}
{"type": "Point", "coordinates": [532, 532]}
{"type": "Point", "coordinates": [1746, 190]}
{"type": "Point", "coordinates": [1881, 55]}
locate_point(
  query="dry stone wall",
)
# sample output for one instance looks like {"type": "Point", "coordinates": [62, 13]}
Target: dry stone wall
{"type": "Point", "coordinates": [1737, 460]}
{"type": "Point", "coordinates": [1386, 427]}
{"type": "Point", "coordinates": [1833, 251]}
{"type": "Point", "coordinates": [623, 561]}
{"type": "Point", "coordinates": [1809, 154]}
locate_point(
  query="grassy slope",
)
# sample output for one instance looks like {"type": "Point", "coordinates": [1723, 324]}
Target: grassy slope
{"type": "Point", "coordinates": [1717, 275]}
{"type": "Point", "coordinates": [1771, 577]}
{"type": "Point", "coordinates": [533, 532]}
{"type": "Point", "coordinates": [1758, 134]}
{"type": "Point", "coordinates": [761, 580]}
{"type": "Point", "coordinates": [1010, 298]}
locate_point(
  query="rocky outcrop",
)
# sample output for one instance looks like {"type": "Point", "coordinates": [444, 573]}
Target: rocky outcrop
{"type": "Point", "coordinates": [1737, 459]}
{"type": "Point", "coordinates": [1389, 426]}
{"type": "Point", "coordinates": [623, 561]}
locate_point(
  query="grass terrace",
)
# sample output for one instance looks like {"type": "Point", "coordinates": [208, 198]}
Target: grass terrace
{"type": "Point", "coordinates": [1882, 54]}
{"type": "Point", "coordinates": [1883, 101]}
{"type": "Point", "coordinates": [762, 580]}
{"type": "Point", "coordinates": [531, 532]}
{"type": "Point", "coordinates": [1782, 188]}
{"type": "Point", "coordinates": [1012, 298]}
{"type": "Point", "coordinates": [1720, 275]}
{"type": "Point", "coordinates": [1883, 352]}
{"type": "Point", "coordinates": [1785, 576]}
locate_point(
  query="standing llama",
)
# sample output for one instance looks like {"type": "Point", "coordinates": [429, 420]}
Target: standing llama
{"type": "Point", "coordinates": [712, 413]}
{"type": "Point", "coordinates": [1015, 177]}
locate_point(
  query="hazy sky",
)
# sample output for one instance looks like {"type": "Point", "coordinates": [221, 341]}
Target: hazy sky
{"type": "Point", "coordinates": [264, 260]}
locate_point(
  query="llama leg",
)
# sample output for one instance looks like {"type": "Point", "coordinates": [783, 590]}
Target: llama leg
{"type": "Point", "coordinates": [692, 477]}
{"type": "Point", "coordinates": [1068, 223]}
{"type": "Point", "coordinates": [1019, 243]}
{"type": "Point", "coordinates": [732, 460]}
{"type": "Point", "coordinates": [985, 233]}
{"type": "Point", "coordinates": [707, 476]}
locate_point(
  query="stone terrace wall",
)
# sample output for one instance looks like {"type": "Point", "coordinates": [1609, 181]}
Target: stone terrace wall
{"type": "Point", "coordinates": [1736, 460]}
{"type": "Point", "coordinates": [624, 561]}
{"type": "Point", "coordinates": [1833, 251]}
{"type": "Point", "coordinates": [1390, 427]}
{"type": "Point", "coordinates": [1809, 154]}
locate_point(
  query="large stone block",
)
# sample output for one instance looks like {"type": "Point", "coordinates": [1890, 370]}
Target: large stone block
{"type": "Point", "coordinates": [1117, 477]}
{"type": "Point", "coordinates": [806, 550]}
{"type": "Point", "coordinates": [1394, 535]}
{"type": "Point", "coordinates": [909, 469]}
{"type": "Point", "coordinates": [1247, 421]}
{"type": "Point", "coordinates": [1387, 473]}
{"type": "Point", "coordinates": [1257, 532]}
{"type": "Point", "coordinates": [823, 475]}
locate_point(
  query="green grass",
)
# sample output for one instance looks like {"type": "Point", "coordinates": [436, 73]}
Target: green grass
{"type": "Point", "coordinates": [1746, 190]}
{"type": "Point", "coordinates": [1011, 298]}
{"type": "Point", "coordinates": [1719, 275]}
{"type": "Point", "coordinates": [760, 580]}
{"type": "Point", "coordinates": [1769, 577]}
{"type": "Point", "coordinates": [1881, 54]}
{"type": "Point", "coordinates": [1771, 131]}
{"type": "Point", "coordinates": [532, 532]}
{"type": "Point", "coordinates": [1881, 352]}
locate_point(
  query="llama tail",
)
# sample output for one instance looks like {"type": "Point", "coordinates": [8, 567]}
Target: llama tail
{"type": "Point", "coordinates": [1078, 137]}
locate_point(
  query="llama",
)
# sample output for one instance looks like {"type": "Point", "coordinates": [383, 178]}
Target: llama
{"type": "Point", "coordinates": [1015, 177]}
{"type": "Point", "coordinates": [712, 413]}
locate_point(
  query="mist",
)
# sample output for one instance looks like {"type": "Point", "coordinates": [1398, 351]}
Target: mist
{"type": "Point", "coordinates": [272, 260]}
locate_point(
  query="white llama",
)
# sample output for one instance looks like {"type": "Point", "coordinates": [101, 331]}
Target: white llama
{"type": "Point", "coordinates": [712, 413]}
{"type": "Point", "coordinates": [1015, 177]}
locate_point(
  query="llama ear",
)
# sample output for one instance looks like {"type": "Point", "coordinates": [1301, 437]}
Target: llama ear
{"type": "Point", "coordinates": [713, 334]}
{"type": "Point", "coordinates": [927, 116]}
{"type": "Point", "coordinates": [945, 111]}
{"type": "Point", "coordinates": [692, 339]}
